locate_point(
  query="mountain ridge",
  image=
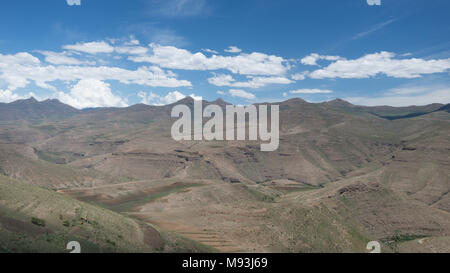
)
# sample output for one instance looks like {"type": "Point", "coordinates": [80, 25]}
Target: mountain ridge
{"type": "Point", "coordinates": [53, 109]}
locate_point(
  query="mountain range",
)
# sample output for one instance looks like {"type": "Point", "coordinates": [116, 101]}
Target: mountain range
{"type": "Point", "coordinates": [114, 179]}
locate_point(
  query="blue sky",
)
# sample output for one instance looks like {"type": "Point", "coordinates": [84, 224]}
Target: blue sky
{"type": "Point", "coordinates": [93, 53]}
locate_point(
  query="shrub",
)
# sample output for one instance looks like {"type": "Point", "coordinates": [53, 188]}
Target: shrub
{"type": "Point", "coordinates": [38, 222]}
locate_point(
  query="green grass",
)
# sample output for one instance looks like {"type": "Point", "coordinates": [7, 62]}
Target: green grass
{"type": "Point", "coordinates": [38, 222]}
{"type": "Point", "coordinates": [141, 200]}
{"type": "Point", "coordinates": [260, 196]}
{"type": "Point", "coordinates": [400, 238]}
{"type": "Point", "coordinates": [22, 231]}
{"type": "Point", "coordinates": [51, 157]}
{"type": "Point", "coordinates": [300, 188]}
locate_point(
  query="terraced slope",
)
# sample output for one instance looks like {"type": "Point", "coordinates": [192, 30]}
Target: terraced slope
{"type": "Point", "coordinates": [33, 219]}
{"type": "Point", "coordinates": [342, 176]}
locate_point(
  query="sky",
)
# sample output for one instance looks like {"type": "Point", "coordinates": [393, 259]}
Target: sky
{"type": "Point", "coordinates": [101, 53]}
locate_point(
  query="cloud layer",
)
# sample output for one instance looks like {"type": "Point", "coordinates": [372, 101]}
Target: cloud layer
{"type": "Point", "coordinates": [102, 64]}
{"type": "Point", "coordinates": [383, 62]}
{"type": "Point", "coordinates": [247, 64]}
{"type": "Point", "coordinates": [253, 82]}
{"type": "Point", "coordinates": [406, 97]}
{"type": "Point", "coordinates": [311, 91]}
{"type": "Point", "coordinates": [171, 97]}
{"type": "Point", "coordinates": [241, 94]}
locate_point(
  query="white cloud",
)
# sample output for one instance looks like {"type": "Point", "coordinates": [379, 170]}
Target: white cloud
{"type": "Point", "coordinates": [381, 63]}
{"type": "Point", "coordinates": [73, 2]}
{"type": "Point", "coordinates": [299, 76]}
{"type": "Point", "coordinates": [171, 97]}
{"type": "Point", "coordinates": [220, 92]}
{"type": "Point", "coordinates": [221, 80]}
{"type": "Point", "coordinates": [91, 47]}
{"type": "Point", "coordinates": [8, 96]}
{"type": "Point", "coordinates": [233, 49]}
{"type": "Point", "coordinates": [12, 68]}
{"type": "Point", "coordinates": [196, 97]}
{"type": "Point", "coordinates": [132, 42]}
{"type": "Point", "coordinates": [131, 50]}
{"type": "Point", "coordinates": [241, 94]}
{"type": "Point", "coordinates": [285, 94]}
{"type": "Point", "coordinates": [210, 51]}
{"type": "Point", "coordinates": [91, 93]}
{"type": "Point", "coordinates": [406, 97]}
{"type": "Point", "coordinates": [314, 57]}
{"type": "Point", "coordinates": [253, 82]}
{"type": "Point", "coordinates": [248, 64]}
{"type": "Point", "coordinates": [311, 91]}
{"type": "Point", "coordinates": [18, 70]}
{"type": "Point", "coordinates": [61, 58]}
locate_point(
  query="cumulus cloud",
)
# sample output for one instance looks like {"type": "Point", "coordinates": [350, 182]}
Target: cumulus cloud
{"type": "Point", "coordinates": [91, 93]}
{"type": "Point", "coordinates": [248, 64]}
{"type": "Point", "coordinates": [253, 82]}
{"type": "Point", "coordinates": [299, 76]}
{"type": "Point", "coordinates": [91, 47]}
{"type": "Point", "coordinates": [61, 58]}
{"type": "Point", "coordinates": [171, 97]}
{"type": "Point", "coordinates": [8, 96]}
{"type": "Point", "coordinates": [381, 63]}
{"type": "Point", "coordinates": [19, 69]}
{"type": "Point", "coordinates": [314, 57]}
{"type": "Point", "coordinates": [12, 68]}
{"type": "Point", "coordinates": [233, 49]}
{"type": "Point", "coordinates": [406, 97]}
{"type": "Point", "coordinates": [73, 2]}
{"type": "Point", "coordinates": [311, 91]}
{"type": "Point", "coordinates": [241, 94]}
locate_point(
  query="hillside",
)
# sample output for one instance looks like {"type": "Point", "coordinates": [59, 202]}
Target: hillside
{"type": "Point", "coordinates": [342, 176]}
{"type": "Point", "coordinates": [31, 109]}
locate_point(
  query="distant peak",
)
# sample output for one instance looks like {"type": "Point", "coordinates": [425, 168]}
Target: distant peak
{"type": "Point", "coordinates": [29, 100]}
{"type": "Point", "coordinates": [339, 102]}
{"type": "Point", "coordinates": [186, 100]}
{"type": "Point", "coordinates": [220, 102]}
{"type": "Point", "coordinates": [295, 100]}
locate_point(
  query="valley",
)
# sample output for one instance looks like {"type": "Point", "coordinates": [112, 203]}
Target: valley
{"type": "Point", "coordinates": [343, 175]}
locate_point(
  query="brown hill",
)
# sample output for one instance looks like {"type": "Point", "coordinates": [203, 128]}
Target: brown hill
{"type": "Point", "coordinates": [342, 176]}
{"type": "Point", "coordinates": [31, 109]}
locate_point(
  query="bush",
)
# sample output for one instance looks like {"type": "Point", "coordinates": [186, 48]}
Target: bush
{"type": "Point", "coordinates": [38, 222]}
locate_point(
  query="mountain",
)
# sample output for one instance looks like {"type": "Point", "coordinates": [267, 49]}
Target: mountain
{"type": "Point", "coordinates": [31, 109]}
{"type": "Point", "coordinates": [445, 108]}
{"type": "Point", "coordinates": [343, 175]}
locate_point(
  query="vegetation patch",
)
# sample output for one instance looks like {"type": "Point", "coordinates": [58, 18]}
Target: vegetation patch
{"type": "Point", "coordinates": [142, 198]}
{"type": "Point", "coordinates": [400, 238]}
{"type": "Point", "coordinates": [38, 221]}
